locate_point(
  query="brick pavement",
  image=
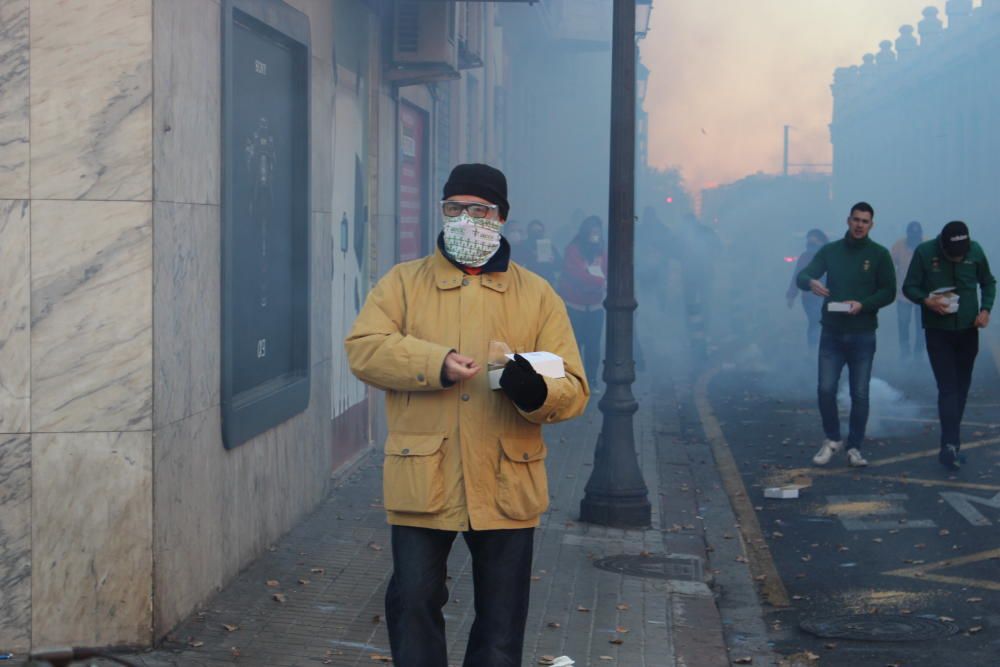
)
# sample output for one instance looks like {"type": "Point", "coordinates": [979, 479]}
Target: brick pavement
{"type": "Point", "coordinates": [331, 572]}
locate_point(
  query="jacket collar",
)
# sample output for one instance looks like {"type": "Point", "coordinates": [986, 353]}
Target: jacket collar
{"type": "Point", "coordinates": [856, 243]}
{"type": "Point", "coordinates": [448, 274]}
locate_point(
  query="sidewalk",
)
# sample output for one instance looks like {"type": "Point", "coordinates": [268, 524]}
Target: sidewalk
{"type": "Point", "coordinates": [317, 596]}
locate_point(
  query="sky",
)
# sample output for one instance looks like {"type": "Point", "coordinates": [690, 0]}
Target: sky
{"type": "Point", "coordinates": [727, 75]}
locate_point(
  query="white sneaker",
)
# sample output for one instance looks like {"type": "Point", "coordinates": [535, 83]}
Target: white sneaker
{"type": "Point", "coordinates": [854, 458]}
{"type": "Point", "coordinates": [829, 448]}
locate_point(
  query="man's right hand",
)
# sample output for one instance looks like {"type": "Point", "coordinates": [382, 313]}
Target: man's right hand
{"type": "Point", "coordinates": [818, 288]}
{"type": "Point", "coordinates": [937, 304]}
{"type": "Point", "coordinates": [458, 368]}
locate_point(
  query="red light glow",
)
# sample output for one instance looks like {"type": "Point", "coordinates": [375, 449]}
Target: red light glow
{"type": "Point", "coordinates": [790, 260]}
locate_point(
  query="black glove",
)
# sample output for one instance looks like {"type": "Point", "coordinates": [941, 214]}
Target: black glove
{"type": "Point", "coordinates": [523, 384]}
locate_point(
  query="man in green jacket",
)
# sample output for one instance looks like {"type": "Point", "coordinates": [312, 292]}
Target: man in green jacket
{"type": "Point", "coordinates": [945, 276]}
{"type": "Point", "coordinates": [860, 279]}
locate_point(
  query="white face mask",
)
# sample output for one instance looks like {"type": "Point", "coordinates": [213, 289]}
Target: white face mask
{"type": "Point", "coordinates": [471, 241]}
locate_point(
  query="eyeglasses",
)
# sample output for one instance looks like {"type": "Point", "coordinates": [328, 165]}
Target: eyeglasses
{"type": "Point", "coordinates": [453, 209]}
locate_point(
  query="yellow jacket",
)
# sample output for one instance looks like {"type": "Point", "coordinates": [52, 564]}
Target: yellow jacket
{"type": "Point", "coordinates": [464, 456]}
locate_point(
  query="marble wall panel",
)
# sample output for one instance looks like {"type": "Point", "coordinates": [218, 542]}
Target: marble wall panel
{"type": "Point", "coordinates": [91, 99]}
{"type": "Point", "coordinates": [15, 343]}
{"type": "Point", "coordinates": [92, 553]}
{"type": "Point", "coordinates": [14, 100]}
{"type": "Point", "coordinates": [321, 141]}
{"type": "Point", "coordinates": [91, 316]}
{"type": "Point", "coordinates": [187, 108]}
{"type": "Point", "coordinates": [186, 310]}
{"type": "Point", "coordinates": [321, 18]}
{"type": "Point", "coordinates": [321, 276]}
{"type": "Point", "coordinates": [190, 504]}
{"type": "Point", "coordinates": [15, 542]}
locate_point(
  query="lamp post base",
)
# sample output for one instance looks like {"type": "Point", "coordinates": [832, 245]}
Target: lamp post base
{"type": "Point", "coordinates": [616, 511]}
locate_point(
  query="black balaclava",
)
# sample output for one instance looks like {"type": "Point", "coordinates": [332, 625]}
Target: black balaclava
{"type": "Point", "coordinates": [480, 180]}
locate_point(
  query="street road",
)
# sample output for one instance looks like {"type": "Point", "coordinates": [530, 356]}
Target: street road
{"type": "Point", "coordinates": [901, 543]}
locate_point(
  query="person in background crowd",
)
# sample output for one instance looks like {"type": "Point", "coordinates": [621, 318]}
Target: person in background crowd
{"type": "Point", "coordinates": [654, 248]}
{"type": "Point", "coordinates": [700, 250]}
{"type": "Point", "coordinates": [955, 263]}
{"type": "Point", "coordinates": [907, 312]}
{"type": "Point", "coordinates": [460, 457]}
{"type": "Point", "coordinates": [540, 254]}
{"type": "Point", "coordinates": [513, 231]}
{"type": "Point", "coordinates": [859, 280]}
{"type": "Point", "coordinates": [582, 284]}
{"type": "Point", "coordinates": [811, 303]}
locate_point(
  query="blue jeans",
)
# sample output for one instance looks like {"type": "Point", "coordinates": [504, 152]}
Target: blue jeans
{"type": "Point", "coordinates": [418, 592]}
{"type": "Point", "coordinates": [857, 351]}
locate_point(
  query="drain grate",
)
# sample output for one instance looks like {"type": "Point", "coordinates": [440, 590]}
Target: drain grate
{"type": "Point", "coordinates": [880, 628]}
{"type": "Point", "coordinates": [654, 566]}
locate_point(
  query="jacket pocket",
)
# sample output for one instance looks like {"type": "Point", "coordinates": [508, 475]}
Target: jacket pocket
{"type": "Point", "coordinates": [413, 476]}
{"type": "Point", "coordinates": [522, 486]}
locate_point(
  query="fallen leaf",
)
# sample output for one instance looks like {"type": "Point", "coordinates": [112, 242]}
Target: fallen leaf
{"type": "Point", "coordinates": [830, 646]}
{"type": "Point", "coordinates": [622, 606]}
{"type": "Point", "coordinates": [943, 532]}
{"type": "Point", "coordinates": [376, 619]}
{"type": "Point", "coordinates": [230, 628]}
{"type": "Point", "coordinates": [380, 658]}
{"type": "Point", "coordinates": [553, 624]}
{"type": "Point", "coordinates": [974, 629]}
{"type": "Point", "coordinates": [546, 660]}
{"type": "Point", "coordinates": [582, 608]}
{"type": "Point", "coordinates": [279, 597]}
{"type": "Point", "coordinates": [973, 600]}
{"type": "Point", "coordinates": [622, 631]}
{"type": "Point", "coordinates": [317, 570]}
{"type": "Point", "coordinates": [606, 657]}
{"type": "Point", "coordinates": [617, 641]}
{"type": "Point", "coordinates": [195, 643]}
{"type": "Point", "coordinates": [374, 547]}
{"type": "Point", "coordinates": [235, 651]}
{"type": "Point", "coordinates": [946, 619]}
{"type": "Point", "coordinates": [272, 583]}
{"type": "Point", "coordinates": [746, 660]}
{"type": "Point", "coordinates": [742, 559]}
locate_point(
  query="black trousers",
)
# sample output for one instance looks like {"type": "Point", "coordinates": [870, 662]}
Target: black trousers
{"type": "Point", "coordinates": [417, 593]}
{"type": "Point", "coordinates": [953, 356]}
{"type": "Point", "coordinates": [588, 326]}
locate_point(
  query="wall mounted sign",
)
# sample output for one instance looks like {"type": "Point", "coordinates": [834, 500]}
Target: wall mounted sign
{"type": "Point", "coordinates": [412, 229]}
{"type": "Point", "coordinates": [265, 216]}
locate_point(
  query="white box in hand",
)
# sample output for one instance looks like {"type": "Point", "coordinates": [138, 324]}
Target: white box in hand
{"type": "Point", "coordinates": [544, 363]}
{"type": "Point", "coordinates": [838, 307]}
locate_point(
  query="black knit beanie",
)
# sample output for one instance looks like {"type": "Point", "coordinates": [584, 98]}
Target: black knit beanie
{"type": "Point", "coordinates": [480, 180]}
{"type": "Point", "coordinates": [955, 239]}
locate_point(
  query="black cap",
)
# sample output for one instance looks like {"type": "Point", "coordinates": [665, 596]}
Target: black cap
{"type": "Point", "coordinates": [480, 180]}
{"type": "Point", "coordinates": [955, 239]}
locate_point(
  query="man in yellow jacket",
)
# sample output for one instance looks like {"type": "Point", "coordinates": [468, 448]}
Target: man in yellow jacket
{"type": "Point", "coordinates": [461, 457]}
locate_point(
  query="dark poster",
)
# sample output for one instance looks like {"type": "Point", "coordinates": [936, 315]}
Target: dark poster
{"type": "Point", "coordinates": [266, 218]}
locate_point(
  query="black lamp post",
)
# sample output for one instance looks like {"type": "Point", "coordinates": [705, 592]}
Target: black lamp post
{"type": "Point", "coordinates": [616, 493]}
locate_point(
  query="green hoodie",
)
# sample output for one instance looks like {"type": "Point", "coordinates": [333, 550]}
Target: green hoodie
{"type": "Point", "coordinates": [930, 270]}
{"type": "Point", "coordinates": [855, 271]}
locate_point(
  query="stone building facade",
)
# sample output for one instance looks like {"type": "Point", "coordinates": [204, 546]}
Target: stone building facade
{"type": "Point", "coordinates": [914, 129]}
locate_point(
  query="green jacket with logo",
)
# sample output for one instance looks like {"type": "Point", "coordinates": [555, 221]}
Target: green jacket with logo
{"type": "Point", "coordinates": [930, 270]}
{"type": "Point", "coordinates": [855, 271]}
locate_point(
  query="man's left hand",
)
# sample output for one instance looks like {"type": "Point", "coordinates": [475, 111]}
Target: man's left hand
{"type": "Point", "coordinates": [983, 319]}
{"type": "Point", "coordinates": [523, 385]}
{"type": "Point", "coordinates": [855, 307]}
